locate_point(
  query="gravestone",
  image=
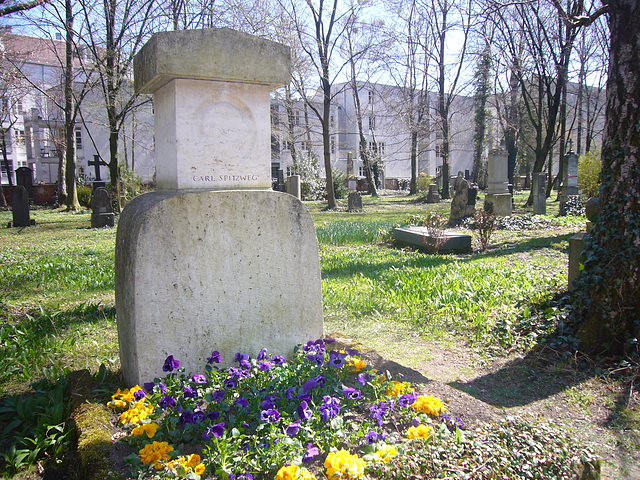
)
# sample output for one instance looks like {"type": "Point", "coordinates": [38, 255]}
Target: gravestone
{"type": "Point", "coordinates": [101, 209]}
{"type": "Point", "coordinates": [349, 164]}
{"type": "Point", "coordinates": [570, 181]}
{"type": "Point", "coordinates": [539, 187]}
{"type": "Point", "coordinates": [20, 207]}
{"type": "Point", "coordinates": [497, 195]}
{"type": "Point", "coordinates": [354, 202]}
{"type": "Point", "coordinates": [293, 186]}
{"type": "Point", "coordinates": [24, 177]}
{"type": "Point", "coordinates": [214, 259]}
{"type": "Point", "coordinates": [433, 196]}
{"type": "Point", "coordinates": [460, 207]}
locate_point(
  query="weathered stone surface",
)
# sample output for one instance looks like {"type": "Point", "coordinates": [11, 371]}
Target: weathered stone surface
{"type": "Point", "coordinates": [422, 238]}
{"type": "Point", "coordinates": [539, 187]}
{"type": "Point", "coordinates": [576, 246]}
{"type": "Point", "coordinates": [354, 202]}
{"type": "Point", "coordinates": [433, 196]}
{"type": "Point", "coordinates": [497, 173]}
{"type": "Point", "coordinates": [293, 186]}
{"type": "Point", "coordinates": [212, 135]}
{"type": "Point", "coordinates": [214, 53]}
{"type": "Point", "coordinates": [502, 204]}
{"type": "Point", "coordinates": [460, 207]}
{"type": "Point", "coordinates": [220, 270]}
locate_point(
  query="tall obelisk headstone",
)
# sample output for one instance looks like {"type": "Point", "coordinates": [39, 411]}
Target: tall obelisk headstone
{"type": "Point", "coordinates": [214, 260]}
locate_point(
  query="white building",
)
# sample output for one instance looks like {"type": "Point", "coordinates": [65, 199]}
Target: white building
{"type": "Point", "coordinates": [35, 121]}
{"type": "Point", "coordinates": [384, 129]}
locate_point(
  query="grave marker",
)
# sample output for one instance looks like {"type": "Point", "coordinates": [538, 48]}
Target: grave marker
{"type": "Point", "coordinates": [498, 185]}
{"type": "Point", "coordinates": [102, 210]}
{"type": "Point", "coordinates": [539, 187]}
{"type": "Point", "coordinates": [213, 260]}
{"type": "Point", "coordinates": [20, 207]}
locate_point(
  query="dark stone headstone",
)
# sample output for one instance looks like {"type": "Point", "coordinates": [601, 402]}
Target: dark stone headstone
{"type": "Point", "coordinates": [100, 184]}
{"type": "Point", "coordinates": [539, 187]}
{"type": "Point", "coordinates": [421, 237]}
{"type": "Point", "coordinates": [473, 195]}
{"type": "Point", "coordinates": [20, 207]}
{"type": "Point", "coordinates": [433, 196]}
{"type": "Point", "coordinates": [102, 211]}
{"type": "Point", "coordinates": [24, 177]}
{"type": "Point", "coordinates": [467, 175]}
{"type": "Point", "coordinates": [355, 202]}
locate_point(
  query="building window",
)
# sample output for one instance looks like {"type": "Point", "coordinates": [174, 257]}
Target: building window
{"type": "Point", "coordinates": [290, 171]}
{"type": "Point", "coordinates": [377, 148]}
{"type": "Point", "coordinates": [305, 146]}
{"type": "Point", "coordinates": [370, 96]}
{"type": "Point", "coordinates": [332, 121]}
{"type": "Point", "coordinates": [361, 171]}
{"type": "Point", "coordinates": [372, 122]}
{"type": "Point", "coordinates": [296, 117]}
{"type": "Point", "coordinates": [19, 136]}
{"type": "Point", "coordinates": [78, 139]}
{"type": "Point", "coordinates": [333, 145]}
{"type": "Point", "coordinates": [286, 145]}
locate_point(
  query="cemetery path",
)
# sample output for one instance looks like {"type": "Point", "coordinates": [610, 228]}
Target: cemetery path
{"type": "Point", "coordinates": [568, 392]}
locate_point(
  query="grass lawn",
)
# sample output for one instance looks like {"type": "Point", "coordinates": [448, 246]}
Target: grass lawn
{"type": "Point", "coordinates": [476, 323]}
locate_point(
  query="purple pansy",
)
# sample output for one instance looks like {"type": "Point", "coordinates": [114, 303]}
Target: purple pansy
{"type": "Point", "coordinates": [352, 393]}
{"type": "Point", "coordinates": [190, 392]}
{"type": "Point", "coordinates": [199, 379]}
{"type": "Point", "coordinates": [304, 412]}
{"type": "Point", "coordinates": [407, 399]}
{"type": "Point", "coordinates": [167, 401]}
{"type": "Point", "coordinates": [215, 357]}
{"type": "Point", "coordinates": [330, 408]}
{"type": "Point", "coordinates": [337, 359]}
{"type": "Point", "coordinates": [139, 395]}
{"type": "Point", "coordinates": [262, 355]}
{"type": "Point", "coordinates": [241, 357]}
{"type": "Point", "coordinates": [317, 358]}
{"type": "Point", "coordinates": [148, 386]}
{"type": "Point", "coordinates": [310, 453]}
{"type": "Point", "coordinates": [371, 437]}
{"type": "Point", "coordinates": [242, 402]}
{"type": "Point", "coordinates": [218, 395]}
{"type": "Point", "coordinates": [170, 364]}
{"type": "Point", "coordinates": [290, 392]}
{"type": "Point", "coordinates": [293, 428]}
{"type": "Point", "coordinates": [270, 415]}
{"type": "Point", "coordinates": [230, 383]}
{"type": "Point", "coordinates": [310, 385]}
{"type": "Point", "coordinates": [213, 416]}
{"type": "Point", "coordinates": [278, 360]}
{"type": "Point", "coordinates": [216, 430]}
{"type": "Point", "coordinates": [265, 366]}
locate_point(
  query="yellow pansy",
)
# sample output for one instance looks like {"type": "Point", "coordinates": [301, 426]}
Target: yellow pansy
{"type": "Point", "coordinates": [343, 465]}
{"type": "Point", "coordinates": [421, 431]}
{"type": "Point", "coordinates": [289, 472]}
{"type": "Point", "coordinates": [149, 428]}
{"type": "Point", "coordinates": [429, 404]}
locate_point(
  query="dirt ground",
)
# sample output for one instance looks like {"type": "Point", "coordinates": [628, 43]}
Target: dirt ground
{"type": "Point", "coordinates": [568, 392]}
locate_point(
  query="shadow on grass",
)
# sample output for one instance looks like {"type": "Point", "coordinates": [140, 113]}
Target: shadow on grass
{"type": "Point", "coordinates": [538, 243]}
{"type": "Point", "coordinates": [526, 380]}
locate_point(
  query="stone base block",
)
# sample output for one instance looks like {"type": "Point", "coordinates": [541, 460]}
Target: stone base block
{"type": "Point", "coordinates": [99, 220]}
{"type": "Point", "coordinates": [355, 202]}
{"type": "Point", "coordinates": [420, 237]}
{"type": "Point", "coordinates": [233, 271]}
{"type": "Point", "coordinates": [502, 203]}
{"type": "Point", "coordinates": [576, 246]}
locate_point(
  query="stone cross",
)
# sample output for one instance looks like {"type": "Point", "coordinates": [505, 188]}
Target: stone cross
{"type": "Point", "coordinates": [213, 260]}
{"type": "Point", "coordinates": [96, 163]}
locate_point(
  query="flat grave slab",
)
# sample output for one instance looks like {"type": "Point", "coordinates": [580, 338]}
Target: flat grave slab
{"type": "Point", "coordinates": [420, 237]}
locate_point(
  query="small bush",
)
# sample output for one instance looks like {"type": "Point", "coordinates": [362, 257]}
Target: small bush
{"type": "Point", "coordinates": [340, 189]}
{"type": "Point", "coordinates": [423, 182]}
{"type": "Point", "coordinates": [84, 195]}
{"type": "Point", "coordinates": [485, 222]}
{"type": "Point", "coordinates": [589, 167]}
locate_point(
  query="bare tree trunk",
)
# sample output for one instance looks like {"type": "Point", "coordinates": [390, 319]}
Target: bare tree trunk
{"type": "Point", "coordinates": [69, 118]}
{"type": "Point", "coordinates": [609, 287]}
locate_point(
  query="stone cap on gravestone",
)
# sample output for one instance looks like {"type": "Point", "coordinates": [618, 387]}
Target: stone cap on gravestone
{"type": "Point", "coordinates": [221, 54]}
{"type": "Point", "coordinates": [212, 106]}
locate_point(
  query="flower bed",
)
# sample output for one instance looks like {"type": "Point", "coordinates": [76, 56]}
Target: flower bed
{"type": "Point", "coordinates": [323, 414]}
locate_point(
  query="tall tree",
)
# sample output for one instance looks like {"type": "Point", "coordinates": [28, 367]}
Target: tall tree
{"type": "Point", "coordinates": [447, 17]}
{"type": "Point", "coordinates": [319, 39]}
{"type": "Point", "coordinates": [359, 45]}
{"type": "Point", "coordinates": [115, 32]}
{"type": "Point", "coordinates": [607, 308]}
{"type": "Point", "coordinates": [483, 90]}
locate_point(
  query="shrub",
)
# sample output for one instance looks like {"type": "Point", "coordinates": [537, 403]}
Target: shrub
{"type": "Point", "coordinates": [84, 195]}
{"type": "Point", "coordinates": [340, 188]}
{"type": "Point", "coordinates": [131, 184]}
{"type": "Point", "coordinates": [589, 167]}
{"type": "Point", "coordinates": [423, 182]}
